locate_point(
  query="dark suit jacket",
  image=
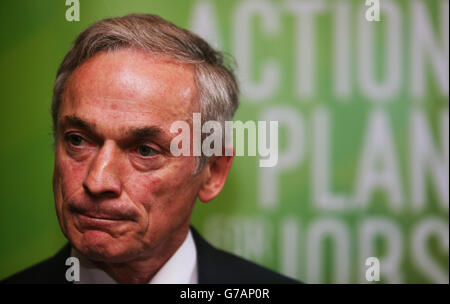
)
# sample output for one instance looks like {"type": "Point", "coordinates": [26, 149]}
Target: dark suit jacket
{"type": "Point", "coordinates": [214, 267]}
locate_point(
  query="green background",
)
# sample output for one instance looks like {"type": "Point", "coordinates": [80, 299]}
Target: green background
{"type": "Point", "coordinates": [35, 36]}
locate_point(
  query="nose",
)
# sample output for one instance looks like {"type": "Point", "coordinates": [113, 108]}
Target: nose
{"type": "Point", "coordinates": [102, 178]}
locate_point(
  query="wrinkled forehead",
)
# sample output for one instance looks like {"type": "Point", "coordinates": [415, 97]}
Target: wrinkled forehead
{"type": "Point", "coordinates": [131, 81]}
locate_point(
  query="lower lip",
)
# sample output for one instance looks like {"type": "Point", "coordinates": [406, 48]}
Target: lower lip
{"type": "Point", "coordinates": [88, 222]}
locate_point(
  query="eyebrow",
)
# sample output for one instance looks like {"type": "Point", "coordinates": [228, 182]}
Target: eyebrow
{"type": "Point", "coordinates": [75, 121]}
{"type": "Point", "coordinates": [133, 132]}
{"type": "Point", "coordinates": [151, 131]}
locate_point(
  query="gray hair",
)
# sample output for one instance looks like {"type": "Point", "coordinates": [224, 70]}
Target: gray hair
{"type": "Point", "coordinates": [215, 81]}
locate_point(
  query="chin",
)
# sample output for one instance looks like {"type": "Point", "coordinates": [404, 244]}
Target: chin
{"type": "Point", "coordinates": [100, 246]}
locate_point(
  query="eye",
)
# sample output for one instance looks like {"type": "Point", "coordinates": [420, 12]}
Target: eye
{"type": "Point", "coordinates": [145, 150]}
{"type": "Point", "coordinates": [75, 140]}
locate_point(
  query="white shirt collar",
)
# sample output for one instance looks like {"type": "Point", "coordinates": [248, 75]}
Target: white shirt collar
{"type": "Point", "coordinates": [181, 268]}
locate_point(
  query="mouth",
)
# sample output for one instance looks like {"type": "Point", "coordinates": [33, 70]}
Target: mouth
{"type": "Point", "coordinates": [107, 213]}
{"type": "Point", "coordinates": [101, 217]}
{"type": "Point", "coordinates": [94, 222]}
{"type": "Point", "coordinates": [108, 218]}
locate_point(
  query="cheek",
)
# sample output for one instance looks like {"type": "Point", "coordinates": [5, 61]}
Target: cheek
{"type": "Point", "coordinates": [143, 189]}
{"type": "Point", "coordinates": [68, 176]}
{"type": "Point", "coordinates": [162, 191]}
{"type": "Point", "coordinates": [67, 180]}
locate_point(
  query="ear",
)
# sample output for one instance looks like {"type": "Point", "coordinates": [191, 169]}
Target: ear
{"type": "Point", "coordinates": [214, 176]}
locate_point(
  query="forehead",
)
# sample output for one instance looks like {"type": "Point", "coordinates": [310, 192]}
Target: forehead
{"type": "Point", "coordinates": [130, 85]}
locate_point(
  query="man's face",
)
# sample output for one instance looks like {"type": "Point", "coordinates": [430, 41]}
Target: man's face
{"type": "Point", "coordinates": [120, 195]}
